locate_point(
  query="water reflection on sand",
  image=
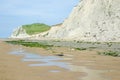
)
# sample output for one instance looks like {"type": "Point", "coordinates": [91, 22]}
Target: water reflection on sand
{"type": "Point", "coordinates": [57, 61]}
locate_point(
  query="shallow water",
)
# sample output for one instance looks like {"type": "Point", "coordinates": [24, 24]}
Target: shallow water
{"type": "Point", "coordinates": [46, 60]}
{"type": "Point", "coordinates": [91, 74]}
{"type": "Point", "coordinates": [53, 61]}
{"type": "Point", "coordinates": [54, 71]}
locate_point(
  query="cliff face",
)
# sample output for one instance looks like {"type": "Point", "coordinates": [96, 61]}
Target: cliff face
{"type": "Point", "coordinates": [91, 20]}
{"type": "Point", "coordinates": [29, 30]}
{"type": "Point", "coordinates": [19, 33]}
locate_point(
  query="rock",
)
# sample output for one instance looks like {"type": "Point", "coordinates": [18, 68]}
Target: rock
{"type": "Point", "coordinates": [30, 30]}
{"type": "Point", "coordinates": [61, 54]}
{"type": "Point", "coordinates": [19, 33]}
{"type": "Point", "coordinates": [90, 20]}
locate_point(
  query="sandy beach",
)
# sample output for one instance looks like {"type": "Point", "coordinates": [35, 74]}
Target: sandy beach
{"type": "Point", "coordinates": [83, 65]}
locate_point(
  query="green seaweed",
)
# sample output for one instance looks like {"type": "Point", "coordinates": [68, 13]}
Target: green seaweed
{"type": "Point", "coordinates": [29, 44]}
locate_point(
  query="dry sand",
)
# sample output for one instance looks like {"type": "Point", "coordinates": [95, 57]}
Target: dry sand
{"type": "Point", "coordinates": [85, 65]}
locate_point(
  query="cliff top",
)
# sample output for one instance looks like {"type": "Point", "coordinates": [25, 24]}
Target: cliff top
{"type": "Point", "coordinates": [35, 28]}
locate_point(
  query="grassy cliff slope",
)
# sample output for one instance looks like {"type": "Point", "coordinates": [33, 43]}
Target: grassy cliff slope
{"type": "Point", "coordinates": [36, 28]}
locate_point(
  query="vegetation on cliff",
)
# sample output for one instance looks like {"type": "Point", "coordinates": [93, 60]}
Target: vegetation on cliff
{"type": "Point", "coordinates": [35, 28]}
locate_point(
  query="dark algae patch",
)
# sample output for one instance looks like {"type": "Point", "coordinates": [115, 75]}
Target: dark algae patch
{"type": "Point", "coordinates": [81, 49]}
{"type": "Point", "coordinates": [110, 53]}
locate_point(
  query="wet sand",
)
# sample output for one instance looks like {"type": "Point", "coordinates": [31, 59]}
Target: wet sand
{"type": "Point", "coordinates": [84, 65]}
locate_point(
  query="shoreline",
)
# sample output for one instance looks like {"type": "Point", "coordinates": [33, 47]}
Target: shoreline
{"type": "Point", "coordinates": [85, 65]}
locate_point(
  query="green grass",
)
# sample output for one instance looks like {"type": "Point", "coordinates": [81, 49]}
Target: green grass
{"type": "Point", "coordinates": [110, 53]}
{"type": "Point", "coordinates": [29, 44]}
{"type": "Point", "coordinates": [36, 28]}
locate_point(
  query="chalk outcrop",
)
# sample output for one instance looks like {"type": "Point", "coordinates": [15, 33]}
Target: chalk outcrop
{"type": "Point", "coordinates": [19, 33]}
{"type": "Point", "coordinates": [30, 30]}
{"type": "Point", "coordinates": [90, 20]}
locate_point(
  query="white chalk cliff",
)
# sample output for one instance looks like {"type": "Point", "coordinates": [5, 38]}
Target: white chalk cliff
{"type": "Point", "coordinates": [90, 20]}
{"type": "Point", "coordinates": [19, 33]}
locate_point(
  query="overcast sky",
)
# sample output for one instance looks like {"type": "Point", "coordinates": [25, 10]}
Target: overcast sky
{"type": "Point", "coordinates": [14, 13]}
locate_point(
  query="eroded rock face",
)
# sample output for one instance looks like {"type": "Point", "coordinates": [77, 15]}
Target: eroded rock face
{"type": "Point", "coordinates": [19, 33]}
{"type": "Point", "coordinates": [91, 20]}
